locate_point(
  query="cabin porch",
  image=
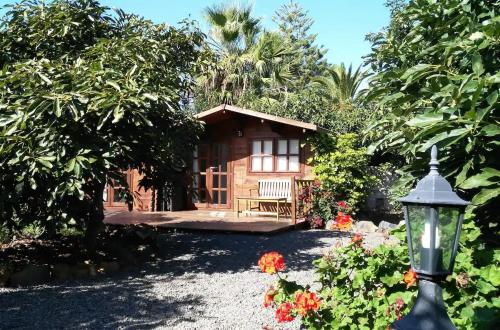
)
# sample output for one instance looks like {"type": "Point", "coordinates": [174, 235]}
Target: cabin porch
{"type": "Point", "coordinates": [201, 220]}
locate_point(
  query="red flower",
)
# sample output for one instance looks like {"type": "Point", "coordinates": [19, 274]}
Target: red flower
{"type": "Point", "coordinates": [357, 238]}
{"type": "Point", "coordinates": [283, 313]}
{"type": "Point", "coordinates": [269, 297]}
{"type": "Point", "coordinates": [271, 262]}
{"type": "Point", "coordinates": [343, 221]}
{"type": "Point", "coordinates": [305, 302]}
{"type": "Point", "coordinates": [410, 277]}
{"type": "Point", "coordinates": [343, 204]}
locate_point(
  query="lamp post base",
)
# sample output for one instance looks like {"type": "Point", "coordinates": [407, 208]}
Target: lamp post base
{"type": "Point", "coordinates": [428, 313]}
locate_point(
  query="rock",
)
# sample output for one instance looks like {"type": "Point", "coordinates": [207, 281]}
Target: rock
{"type": "Point", "coordinates": [365, 227]}
{"type": "Point", "coordinates": [123, 253]}
{"type": "Point", "coordinates": [385, 226]}
{"type": "Point", "coordinates": [62, 271]}
{"type": "Point", "coordinates": [5, 272]}
{"type": "Point", "coordinates": [80, 270]}
{"type": "Point", "coordinates": [329, 224]}
{"type": "Point", "coordinates": [401, 223]}
{"type": "Point", "coordinates": [31, 275]}
{"type": "Point", "coordinates": [108, 267]}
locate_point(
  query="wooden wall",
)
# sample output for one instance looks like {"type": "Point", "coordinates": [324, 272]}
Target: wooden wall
{"type": "Point", "coordinates": [241, 179]}
{"type": "Point", "coordinates": [240, 148]}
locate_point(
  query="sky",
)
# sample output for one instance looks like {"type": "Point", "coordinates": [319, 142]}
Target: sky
{"type": "Point", "coordinates": [341, 25]}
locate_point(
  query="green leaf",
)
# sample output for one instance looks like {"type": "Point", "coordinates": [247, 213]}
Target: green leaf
{"type": "Point", "coordinates": [477, 64]}
{"type": "Point", "coordinates": [45, 78]}
{"type": "Point", "coordinates": [117, 114]}
{"type": "Point", "coordinates": [44, 162]}
{"type": "Point", "coordinates": [485, 195]}
{"type": "Point", "coordinates": [425, 119]}
{"type": "Point", "coordinates": [490, 130]}
{"type": "Point", "coordinates": [452, 136]}
{"type": "Point", "coordinates": [481, 179]}
{"type": "Point", "coordinates": [57, 107]}
{"type": "Point", "coordinates": [150, 97]}
{"type": "Point", "coordinates": [113, 84]}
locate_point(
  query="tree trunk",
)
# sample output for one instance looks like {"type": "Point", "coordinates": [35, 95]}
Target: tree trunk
{"type": "Point", "coordinates": [95, 218]}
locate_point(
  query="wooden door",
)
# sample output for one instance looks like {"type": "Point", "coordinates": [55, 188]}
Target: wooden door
{"type": "Point", "coordinates": [219, 176]}
{"type": "Point", "coordinates": [211, 176]}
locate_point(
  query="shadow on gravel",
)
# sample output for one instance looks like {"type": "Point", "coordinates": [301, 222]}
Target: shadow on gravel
{"type": "Point", "coordinates": [213, 253]}
{"type": "Point", "coordinates": [100, 304]}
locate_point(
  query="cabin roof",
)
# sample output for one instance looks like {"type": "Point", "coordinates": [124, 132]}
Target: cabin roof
{"type": "Point", "coordinates": [213, 115]}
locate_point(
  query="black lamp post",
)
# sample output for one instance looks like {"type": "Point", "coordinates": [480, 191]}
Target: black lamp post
{"type": "Point", "coordinates": [433, 215]}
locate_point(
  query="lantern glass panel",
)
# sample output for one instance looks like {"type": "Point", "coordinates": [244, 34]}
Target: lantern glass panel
{"type": "Point", "coordinates": [447, 229]}
{"type": "Point", "coordinates": [417, 217]}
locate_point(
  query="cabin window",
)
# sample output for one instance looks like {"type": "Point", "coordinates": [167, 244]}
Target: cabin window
{"type": "Point", "coordinates": [287, 158]}
{"type": "Point", "coordinates": [281, 155]}
{"type": "Point", "coordinates": [262, 155]}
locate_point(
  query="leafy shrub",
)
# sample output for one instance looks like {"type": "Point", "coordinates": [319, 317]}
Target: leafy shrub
{"type": "Point", "coordinates": [4, 234]}
{"type": "Point", "coordinates": [342, 168]}
{"type": "Point", "coordinates": [33, 230]}
{"type": "Point", "coordinates": [321, 206]}
{"type": "Point", "coordinates": [370, 289]}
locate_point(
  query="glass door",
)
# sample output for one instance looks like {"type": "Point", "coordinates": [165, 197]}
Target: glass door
{"type": "Point", "coordinates": [200, 170]}
{"type": "Point", "coordinates": [115, 195]}
{"type": "Point", "coordinates": [219, 176]}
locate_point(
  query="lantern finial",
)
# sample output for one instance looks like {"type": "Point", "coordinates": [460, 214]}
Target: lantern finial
{"type": "Point", "coordinates": [434, 162]}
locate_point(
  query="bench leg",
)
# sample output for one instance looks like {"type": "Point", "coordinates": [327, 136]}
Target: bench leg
{"type": "Point", "coordinates": [278, 210]}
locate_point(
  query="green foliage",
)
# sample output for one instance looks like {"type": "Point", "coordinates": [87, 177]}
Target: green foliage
{"type": "Point", "coordinates": [436, 82]}
{"type": "Point", "coordinates": [342, 167]}
{"type": "Point", "coordinates": [85, 95]}
{"type": "Point", "coordinates": [360, 288]}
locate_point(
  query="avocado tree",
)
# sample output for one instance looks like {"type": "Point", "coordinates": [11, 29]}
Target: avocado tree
{"type": "Point", "coordinates": [436, 82]}
{"type": "Point", "coordinates": [85, 94]}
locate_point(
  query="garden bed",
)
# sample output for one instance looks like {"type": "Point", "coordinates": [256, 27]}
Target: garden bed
{"type": "Point", "coordinates": [30, 261]}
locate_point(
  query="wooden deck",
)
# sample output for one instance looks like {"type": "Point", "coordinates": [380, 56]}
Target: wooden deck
{"type": "Point", "coordinates": [201, 220]}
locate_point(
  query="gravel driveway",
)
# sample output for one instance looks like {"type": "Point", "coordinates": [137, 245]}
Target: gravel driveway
{"type": "Point", "coordinates": [204, 281]}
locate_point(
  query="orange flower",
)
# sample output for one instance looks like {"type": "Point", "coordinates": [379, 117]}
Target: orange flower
{"type": "Point", "coordinates": [306, 301]}
{"type": "Point", "coordinates": [271, 262]}
{"type": "Point", "coordinates": [283, 313]}
{"type": "Point", "coordinates": [269, 297]}
{"type": "Point", "coordinates": [357, 238]}
{"type": "Point", "coordinates": [410, 277]}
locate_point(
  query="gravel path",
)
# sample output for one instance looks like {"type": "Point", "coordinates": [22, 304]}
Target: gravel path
{"type": "Point", "coordinates": [205, 281]}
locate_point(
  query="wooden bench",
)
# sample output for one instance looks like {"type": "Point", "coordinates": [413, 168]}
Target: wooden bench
{"type": "Point", "coordinates": [279, 191]}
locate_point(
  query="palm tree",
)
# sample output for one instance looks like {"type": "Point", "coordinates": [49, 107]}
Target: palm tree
{"type": "Point", "coordinates": [246, 57]}
{"type": "Point", "coordinates": [233, 27]}
{"type": "Point", "coordinates": [342, 85]}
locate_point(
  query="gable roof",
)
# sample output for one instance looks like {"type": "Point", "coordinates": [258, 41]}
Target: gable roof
{"type": "Point", "coordinates": [226, 107]}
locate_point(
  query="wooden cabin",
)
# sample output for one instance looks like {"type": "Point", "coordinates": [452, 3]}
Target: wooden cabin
{"type": "Point", "coordinates": [239, 147]}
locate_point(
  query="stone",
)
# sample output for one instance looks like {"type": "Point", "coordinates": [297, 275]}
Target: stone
{"type": "Point", "coordinates": [80, 270]}
{"type": "Point", "coordinates": [329, 224]}
{"type": "Point", "coordinates": [62, 271]}
{"type": "Point", "coordinates": [31, 275]}
{"type": "Point", "coordinates": [365, 227]}
{"type": "Point", "coordinates": [5, 272]}
{"type": "Point", "coordinates": [109, 267]}
{"type": "Point", "coordinates": [385, 226]}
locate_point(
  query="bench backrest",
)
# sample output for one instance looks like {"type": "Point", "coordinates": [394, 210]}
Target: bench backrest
{"type": "Point", "coordinates": [274, 188]}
